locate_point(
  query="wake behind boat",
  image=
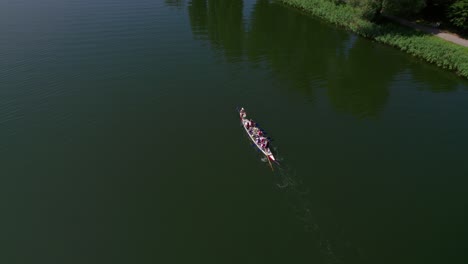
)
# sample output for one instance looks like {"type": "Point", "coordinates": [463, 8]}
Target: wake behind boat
{"type": "Point", "coordinates": [256, 135]}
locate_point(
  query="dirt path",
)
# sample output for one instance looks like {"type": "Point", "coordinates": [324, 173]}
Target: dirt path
{"type": "Point", "coordinates": [437, 32]}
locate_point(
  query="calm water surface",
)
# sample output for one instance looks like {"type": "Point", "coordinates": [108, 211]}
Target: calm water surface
{"type": "Point", "coordinates": [120, 142]}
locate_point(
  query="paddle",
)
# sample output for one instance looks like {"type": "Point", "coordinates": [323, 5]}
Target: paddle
{"type": "Point", "coordinates": [271, 166]}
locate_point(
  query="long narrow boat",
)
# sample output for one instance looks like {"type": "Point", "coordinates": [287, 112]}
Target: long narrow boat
{"type": "Point", "coordinates": [266, 151]}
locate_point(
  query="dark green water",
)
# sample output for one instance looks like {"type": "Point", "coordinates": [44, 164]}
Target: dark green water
{"type": "Point", "coordinates": [120, 142]}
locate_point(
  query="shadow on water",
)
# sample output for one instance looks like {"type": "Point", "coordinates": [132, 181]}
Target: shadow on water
{"type": "Point", "coordinates": [305, 53]}
{"type": "Point", "coordinates": [312, 56]}
{"type": "Point", "coordinates": [298, 50]}
{"type": "Point", "coordinates": [221, 23]}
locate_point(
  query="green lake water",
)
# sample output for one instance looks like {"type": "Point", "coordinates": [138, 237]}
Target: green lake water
{"type": "Point", "coordinates": [120, 143]}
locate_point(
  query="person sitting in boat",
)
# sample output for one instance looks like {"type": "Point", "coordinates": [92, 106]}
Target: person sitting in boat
{"type": "Point", "coordinates": [242, 112]}
{"type": "Point", "coordinates": [248, 124]}
{"type": "Point", "coordinates": [251, 129]}
{"type": "Point", "coordinates": [257, 140]}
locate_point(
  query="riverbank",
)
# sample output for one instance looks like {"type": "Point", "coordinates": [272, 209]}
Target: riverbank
{"type": "Point", "coordinates": [448, 36]}
{"type": "Point", "coordinates": [419, 44]}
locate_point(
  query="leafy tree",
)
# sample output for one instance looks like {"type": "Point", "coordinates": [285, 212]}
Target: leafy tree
{"type": "Point", "coordinates": [370, 9]}
{"type": "Point", "coordinates": [458, 14]}
{"type": "Point", "coordinates": [440, 3]}
{"type": "Point", "coordinates": [436, 10]}
{"type": "Point", "coordinates": [403, 7]}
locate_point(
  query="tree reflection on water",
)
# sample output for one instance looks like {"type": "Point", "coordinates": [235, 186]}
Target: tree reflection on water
{"type": "Point", "coordinates": [308, 54]}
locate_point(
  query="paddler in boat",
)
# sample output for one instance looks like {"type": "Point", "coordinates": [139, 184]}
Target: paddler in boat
{"type": "Point", "coordinates": [248, 124]}
{"type": "Point", "coordinates": [242, 113]}
{"type": "Point", "coordinates": [260, 133]}
{"type": "Point", "coordinates": [267, 144]}
{"type": "Point", "coordinates": [254, 130]}
{"type": "Point", "coordinates": [261, 140]}
{"type": "Point", "coordinates": [251, 124]}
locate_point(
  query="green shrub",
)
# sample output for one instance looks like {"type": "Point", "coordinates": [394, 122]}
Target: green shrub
{"type": "Point", "coordinates": [458, 14]}
{"type": "Point", "coordinates": [368, 9]}
{"type": "Point", "coordinates": [403, 7]}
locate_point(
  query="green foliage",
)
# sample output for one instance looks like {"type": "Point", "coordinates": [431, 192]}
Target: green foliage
{"type": "Point", "coordinates": [440, 3]}
{"type": "Point", "coordinates": [430, 48]}
{"type": "Point", "coordinates": [369, 9]}
{"type": "Point", "coordinates": [458, 14]}
{"type": "Point", "coordinates": [403, 7]}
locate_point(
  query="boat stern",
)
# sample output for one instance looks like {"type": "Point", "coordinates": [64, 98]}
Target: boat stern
{"type": "Point", "coordinates": [271, 157]}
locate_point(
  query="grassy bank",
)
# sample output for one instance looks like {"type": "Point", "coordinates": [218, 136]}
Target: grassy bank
{"type": "Point", "coordinates": [425, 46]}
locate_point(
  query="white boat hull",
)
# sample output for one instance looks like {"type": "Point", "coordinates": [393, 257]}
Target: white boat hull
{"type": "Point", "coordinates": [265, 151]}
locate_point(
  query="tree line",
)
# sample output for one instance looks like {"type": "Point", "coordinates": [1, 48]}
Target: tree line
{"type": "Point", "coordinates": [452, 13]}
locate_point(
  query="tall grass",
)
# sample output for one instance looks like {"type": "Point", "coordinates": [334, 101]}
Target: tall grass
{"type": "Point", "coordinates": [425, 46]}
